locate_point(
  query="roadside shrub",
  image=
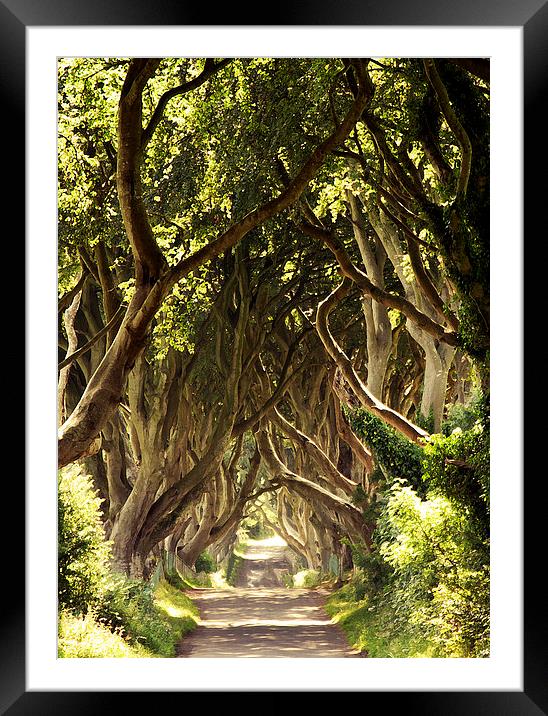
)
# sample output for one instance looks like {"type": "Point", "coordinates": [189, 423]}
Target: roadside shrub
{"type": "Point", "coordinates": [457, 466]}
{"type": "Point", "coordinates": [83, 637]}
{"type": "Point", "coordinates": [84, 553]}
{"type": "Point", "coordinates": [307, 579]}
{"type": "Point", "coordinates": [233, 566]}
{"type": "Point", "coordinates": [462, 416]}
{"type": "Point", "coordinates": [460, 606]}
{"type": "Point", "coordinates": [101, 613]}
{"type": "Point", "coordinates": [129, 606]}
{"type": "Point", "coordinates": [372, 571]}
{"type": "Point", "coordinates": [205, 563]}
{"type": "Point", "coordinates": [423, 589]}
{"type": "Point", "coordinates": [356, 589]}
{"type": "Point", "coordinates": [440, 581]}
{"type": "Point", "coordinates": [174, 578]}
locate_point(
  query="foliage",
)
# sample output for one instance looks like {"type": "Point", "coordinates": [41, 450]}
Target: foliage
{"type": "Point", "coordinates": [400, 458]}
{"type": "Point", "coordinates": [369, 629]}
{"type": "Point", "coordinates": [462, 416]}
{"type": "Point", "coordinates": [102, 613]}
{"type": "Point", "coordinates": [424, 587]}
{"type": "Point", "coordinates": [431, 545]}
{"type": "Point", "coordinates": [359, 495]}
{"type": "Point", "coordinates": [83, 637]}
{"type": "Point", "coordinates": [371, 572]}
{"type": "Point", "coordinates": [134, 621]}
{"type": "Point", "coordinates": [129, 605]}
{"type": "Point", "coordinates": [177, 609]}
{"type": "Point", "coordinates": [255, 528]}
{"type": "Point", "coordinates": [205, 563]}
{"type": "Point", "coordinates": [426, 422]}
{"type": "Point", "coordinates": [84, 553]}
{"type": "Point", "coordinates": [307, 579]}
{"type": "Point", "coordinates": [458, 466]}
{"type": "Point", "coordinates": [174, 578]}
{"type": "Point", "coordinates": [460, 613]}
{"type": "Point", "coordinates": [233, 566]}
{"type": "Point", "coordinates": [155, 617]}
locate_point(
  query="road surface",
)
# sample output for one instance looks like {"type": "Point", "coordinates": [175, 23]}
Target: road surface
{"type": "Point", "coordinates": [262, 618]}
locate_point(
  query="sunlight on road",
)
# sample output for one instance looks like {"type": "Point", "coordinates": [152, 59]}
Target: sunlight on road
{"type": "Point", "coordinates": [275, 541]}
{"type": "Point", "coordinates": [261, 618]}
{"type": "Point", "coordinates": [254, 546]}
{"type": "Point", "coordinates": [220, 624]}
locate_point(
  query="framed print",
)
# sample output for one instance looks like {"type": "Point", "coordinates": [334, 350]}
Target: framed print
{"type": "Point", "coordinates": [512, 679]}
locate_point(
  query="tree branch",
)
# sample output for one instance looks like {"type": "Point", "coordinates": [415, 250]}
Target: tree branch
{"type": "Point", "coordinates": [66, 300]}
{"type": "Point", "coordinates": [423, 280]}
{"type": "Point", "coordinates": [454, 124]}
{"type": "Point", "coordinates": [286, 198]}
{"type": "Point", "coordinates": [478, 66]}
{"type": "Point", "coordinates": [389, 300]}
{"type": "Point", "coordinates": [209, 69]}
{"type": "Point", "coordinates": [111, 324]}
{"type": "Point", "coordinates": [366, 399]}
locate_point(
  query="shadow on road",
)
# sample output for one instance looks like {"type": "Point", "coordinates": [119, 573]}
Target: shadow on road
{"type": "Point", "coordinates": [262, 618]}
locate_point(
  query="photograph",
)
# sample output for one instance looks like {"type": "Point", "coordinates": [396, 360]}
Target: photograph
{"type": "Point", "coordinates": [273, 398]}
{"type": "Point", "coordinates": [270, 397]}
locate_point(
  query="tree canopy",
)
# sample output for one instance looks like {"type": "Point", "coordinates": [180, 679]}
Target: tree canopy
{"type": "Point", "coordinates": [274, 301]}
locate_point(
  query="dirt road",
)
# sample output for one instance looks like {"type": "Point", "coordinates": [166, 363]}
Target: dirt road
{"type": "Point", "coordinates": [262, 618]}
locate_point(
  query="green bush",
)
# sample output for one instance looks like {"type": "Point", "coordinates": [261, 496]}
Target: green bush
{"type": "Point", "coordinates": [439, 584]}
{"type": "Point", "coordinates": [356, 588]}
{"type": "Point", "coordinates": [399, 457]}
{"type": "Point", "coordinates": [423, 589]}
{"type": "Point", "coordinates": [154, 617]}
{"type": "Point", "coordinates": [460, 612]}
{"type": "Point", "coordinates": [101, 613]}
{"type": "Point", "coordinates": [307, 579]}
{"type": "Point", "coordinates": [174, 578]}
{"type": "Point", "coordinates": [135, 620]}
{"type": "Point", "coordinates": [463, 416]}
{"type": "Point", "coordinates": [205, 563]}
{"type": "Point", "coordinates": [83, 637]}
{"type": "Point", "coordinates": [458, 465]}
{"type": "Point", "coordinates": [84, 554]}
{"type": "Point", "coordinates": [371, 574]}
{"type": "Point", "coordinates": [129, 606]}
{"type": "Point", "coordinates": [426, 422]}
{"type": "Point", "coordinates": [369, 629]}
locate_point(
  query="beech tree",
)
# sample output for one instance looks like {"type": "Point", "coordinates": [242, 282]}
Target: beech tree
{"type": "Point", "coordinates": [250, 251]}
{"type": "Point", "coordinates": [153, 276]}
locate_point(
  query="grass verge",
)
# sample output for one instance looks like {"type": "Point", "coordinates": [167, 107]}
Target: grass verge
{"type": "Point", "coordinates": [85, 637]}
{"type": "Point", "coordinates": [138, 622]}
{"type": "Point", "coordinates": [370, 629]}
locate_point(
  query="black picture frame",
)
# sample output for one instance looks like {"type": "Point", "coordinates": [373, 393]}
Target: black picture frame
{"type": "Point", "coordinates": [532, 17]}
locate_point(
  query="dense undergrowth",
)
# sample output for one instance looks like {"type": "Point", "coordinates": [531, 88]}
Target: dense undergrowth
{"type": "Point", "coordinates": [103, 613]}
{"type": "Point", "coordinates": [423, 588]}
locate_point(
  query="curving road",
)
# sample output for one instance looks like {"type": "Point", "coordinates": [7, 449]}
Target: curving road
{"type": "Point", "coordinates": [262, 618]}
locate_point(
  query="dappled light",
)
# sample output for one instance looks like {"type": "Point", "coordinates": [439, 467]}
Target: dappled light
{"type": "Point", "coordinates": [274, 356]}
{"type": "Point", "coordinates": [260, 621]}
